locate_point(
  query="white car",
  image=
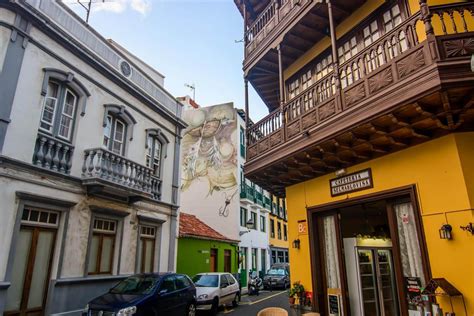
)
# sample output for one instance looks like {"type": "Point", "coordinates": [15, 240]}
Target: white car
{"type": "Point", "coordinates": [216, 289]}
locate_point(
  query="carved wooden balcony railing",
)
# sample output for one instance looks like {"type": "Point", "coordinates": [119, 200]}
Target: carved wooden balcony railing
{"type": "Point", "coordinates": [393, 60]}
{"type": "Point", "coordinates": [53, 154]}
{"type": "Point", "coordinates": [274, 16]}
{"type": "Point", "coordinates": [102, 168]}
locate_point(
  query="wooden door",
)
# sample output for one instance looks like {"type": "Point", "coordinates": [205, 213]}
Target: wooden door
{"type": "Point", "coordinates": [31, 270]}
{"type": "Point", "coordinates": [227, 261]}
{"type": "Point", "coordinates": [213, 260]}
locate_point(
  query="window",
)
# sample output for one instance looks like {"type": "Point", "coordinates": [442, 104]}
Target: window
{"type": "Point", "coordinates": [274, 256]}
{"type": "Point", "coordinates": [324, 67]}
{"type": "Point", "coordinates": [279, 230]}
{"type": "Point", "coordinates": [285, 233]}
{"type": "Point", "coordinates": [307, 79]}
{"type": "Point", "coordinates": [347, 50]}
{"type": "Point", "coordinates": [224, 281]}
{"type": "Point", "coordinates": [230, 279]}
{"type": "Point", "coordinates": [114, 135]}
{"type": "Point", "coordinates": [101, 251]}
{"type": "Point", "coordinates": [242, 142]}
{"type": "Point", "coordinates": [243, 217]}
{"type": "Point", "coordinates": [147, 249]}
{"type": "Point", "coordinates": [153, 155]}
{"type": "Point", "coordinates": [294, 88]}
{"type": "Point", "coordinates": [272, 228]}
{"type": "Point", "coordinates": [262, 223]}
{"type": "Point", "coordinates": [392, 18]}
{"type": "Point", "coordinates": [59, 111]}
{"type": "Point", "coordinates": [281, 256]}
{"type": "Point", "coordinates": [182, 282]}
{"type": "Point", "coordinates": [243, 262]}
{"type": "Point", "coordinates": [168, 285]}
{"type": "Point", "coordinates": [253, 218]}
{"type": "Point", "coordinates": [371, 33]}
{"type": "Point", "coordinates": [254, 259]}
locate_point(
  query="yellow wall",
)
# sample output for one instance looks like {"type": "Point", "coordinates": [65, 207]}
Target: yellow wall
{"type": "Point", "coordinates": [440, 175]}
{"type": "Point", "coordinates": [275, 242]}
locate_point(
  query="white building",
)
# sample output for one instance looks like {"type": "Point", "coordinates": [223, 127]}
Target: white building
{"type": "Point", "coordinates": [89, 162]}
{"type": "Point", "coordinates": [213, 187]}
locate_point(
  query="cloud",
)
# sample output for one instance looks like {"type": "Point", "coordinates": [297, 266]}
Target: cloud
{"type": "Point", "coordinates": [119, 6]}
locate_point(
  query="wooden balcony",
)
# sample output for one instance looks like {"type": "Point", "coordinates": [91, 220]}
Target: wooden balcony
{"type": "Point", "coordinates": [400, 91]}
{"type": "Point", "coordinates": [113, 176]}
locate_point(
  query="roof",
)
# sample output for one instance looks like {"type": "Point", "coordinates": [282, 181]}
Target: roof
{"type": "Point", "coordinates": [191, 226]}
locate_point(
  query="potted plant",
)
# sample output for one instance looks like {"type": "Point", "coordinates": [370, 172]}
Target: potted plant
{"type": "Point", "coordinates": [296, 291]}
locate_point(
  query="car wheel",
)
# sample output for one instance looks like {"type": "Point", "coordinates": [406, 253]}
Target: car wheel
{"type": "Point", "coordinates": [235, 302]}
{"type": "Point", "coordinates": [215, 306]}
{"type": "Point", "coordinates": [191, 310]}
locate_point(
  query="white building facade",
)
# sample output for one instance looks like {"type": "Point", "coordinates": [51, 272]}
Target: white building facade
{"type": "Point", "coordinates": [89, 162]}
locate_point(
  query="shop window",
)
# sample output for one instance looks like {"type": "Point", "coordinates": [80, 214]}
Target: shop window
{"type": "Point", "coordinates": [146, 259]}
{"type": "Point", "coordinates": [101, 250]}
{"type": "Point", "coordinates": [274, 256]}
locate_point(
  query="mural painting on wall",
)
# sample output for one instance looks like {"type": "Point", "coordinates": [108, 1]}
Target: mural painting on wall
{"type": "Point", "coordinates": [209, 152]}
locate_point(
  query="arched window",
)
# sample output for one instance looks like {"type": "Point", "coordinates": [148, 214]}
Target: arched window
{"type": "Point", "coordinates": [118, 127]}
{"type": "Point", "coordinates": [155, 150]}
{"type": "Point", "coordinates": [63, 95]}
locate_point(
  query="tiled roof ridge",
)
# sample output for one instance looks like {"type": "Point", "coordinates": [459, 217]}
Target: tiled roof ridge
{"type": "Point", "coordinates": [191, 226]}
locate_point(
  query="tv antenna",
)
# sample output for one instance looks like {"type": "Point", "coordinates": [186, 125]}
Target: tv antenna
{"type": "Point", "coordinates": [87, 5]}
{"type": "Point", "coordinates": [192, 87]}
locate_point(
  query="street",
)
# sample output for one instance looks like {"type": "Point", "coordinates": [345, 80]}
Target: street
{"type": "Point", "coordinates": [251, 305]}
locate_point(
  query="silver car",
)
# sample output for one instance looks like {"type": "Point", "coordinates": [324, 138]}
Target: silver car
{"type": "Point", "coordinates": [216, 289]}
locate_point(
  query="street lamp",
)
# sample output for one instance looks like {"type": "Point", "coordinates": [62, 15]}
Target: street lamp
{"type": "Point", "coordinates": [249, 225]}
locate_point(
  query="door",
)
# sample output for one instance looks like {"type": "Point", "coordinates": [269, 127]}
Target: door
{"type": "Point", "coordinates": [377, 282]}
{"type": "Point", "coordinates": [31, 270]}
{"type": "Point", "coordinates": [168, 300]}
{"type": "Point", "coordinates": [227, 260]}
{"type": "Point", "coordinates": [213, 260]}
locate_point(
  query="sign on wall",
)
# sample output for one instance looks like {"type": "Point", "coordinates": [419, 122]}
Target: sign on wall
{"type": "Point", "coordinates": [334, 305]}
{"type": "Point", "coordinates": [353, 182]}
{"type": "Point", "coordinates": [302, 227]}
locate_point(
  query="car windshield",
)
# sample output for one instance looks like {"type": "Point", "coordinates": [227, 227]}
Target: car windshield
{"type": "Point", "coordinates": [276, 272]}
{"type": "Point", "coordinates": [203, 280]}
{"type": "Point", "coordinates": [136, 285]}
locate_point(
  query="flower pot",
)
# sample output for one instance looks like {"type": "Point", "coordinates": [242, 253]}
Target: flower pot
{"type": "Point", "coordinates": [292, 300]}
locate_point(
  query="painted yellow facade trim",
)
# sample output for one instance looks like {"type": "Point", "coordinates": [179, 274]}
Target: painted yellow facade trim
{"type": "Point", "coordinates": [443, 172]}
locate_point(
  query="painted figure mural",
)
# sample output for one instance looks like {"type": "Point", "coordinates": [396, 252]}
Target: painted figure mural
{"type": "Point", "coordinates": [209, 150]}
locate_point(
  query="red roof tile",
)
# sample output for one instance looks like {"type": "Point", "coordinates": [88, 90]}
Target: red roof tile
{"type": "Point", "coordinates": [191, 226]}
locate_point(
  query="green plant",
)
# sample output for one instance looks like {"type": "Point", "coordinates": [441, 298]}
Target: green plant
{"type": "Point", "coordinates": [296, 290]}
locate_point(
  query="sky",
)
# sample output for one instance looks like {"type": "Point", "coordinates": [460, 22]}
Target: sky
{"type": "Point", "coordinates": [188, 41]}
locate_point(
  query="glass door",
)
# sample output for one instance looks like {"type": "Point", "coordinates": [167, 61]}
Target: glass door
{"type": "Point", "coordinates": [386, 282]}
{"type": "Point", "coordinates": [368, 282]}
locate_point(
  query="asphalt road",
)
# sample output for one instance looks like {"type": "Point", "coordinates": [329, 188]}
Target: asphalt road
{"type": "Point", "coordinates": [251, 305]}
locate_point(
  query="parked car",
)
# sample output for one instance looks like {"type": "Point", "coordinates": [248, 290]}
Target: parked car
{"type": "Point", "coordinates": [147, 295]}
{"type": "Point", "coordinates": [277, 277]}
{"type": "Point", "coordinates": [216, 289]}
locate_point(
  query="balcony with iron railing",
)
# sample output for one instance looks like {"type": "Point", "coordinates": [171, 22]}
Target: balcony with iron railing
{"type": "Point", "coordinates": [104, 172]}
{"type": "Point", "coordinates": [416, 57]}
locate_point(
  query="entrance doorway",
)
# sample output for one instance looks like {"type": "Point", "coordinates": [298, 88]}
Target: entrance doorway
{"type": "Point", "coordinates": [363, 251]}
{"type": "Point", "coordinates": [32, 263]}
{"type": "Point", "coordinates": [213, 260]}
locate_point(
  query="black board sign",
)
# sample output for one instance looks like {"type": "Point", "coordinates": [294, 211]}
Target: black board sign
{"type": "Point", "coordinates": [413, 285]}
{"type": "Point", "coordinates": [333, 302]}
{"type": "Point", "coordinates": [352, 182]}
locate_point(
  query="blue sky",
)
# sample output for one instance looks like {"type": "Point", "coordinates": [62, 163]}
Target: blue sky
{"type": "Point", "coordinates": [189, 41]}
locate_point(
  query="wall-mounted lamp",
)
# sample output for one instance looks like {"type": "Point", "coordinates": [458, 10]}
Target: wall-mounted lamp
{"type": "Point", "coordinates": [468, 228]}
{"type": "Point", "coordinates": [445, 232]}
{"type": "Point", "coordinates": [249, 225]}
{"type": "Point", "coordinates": [340, 172]}
{"type": "Point", "coordinates": [296, 244]}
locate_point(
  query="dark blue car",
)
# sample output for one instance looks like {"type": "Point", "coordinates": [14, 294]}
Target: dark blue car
{"type": "Point", "coordinates": [147, 294]}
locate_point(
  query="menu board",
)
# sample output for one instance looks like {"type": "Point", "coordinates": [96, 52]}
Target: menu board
{"type": "Point", "coordinates": [413, 285]}
{"type": "Point", "coordinates": [334, 305]}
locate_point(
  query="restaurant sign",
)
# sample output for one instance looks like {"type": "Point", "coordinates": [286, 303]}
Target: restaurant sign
{"type": "Point", "coordinates": [353, 182]}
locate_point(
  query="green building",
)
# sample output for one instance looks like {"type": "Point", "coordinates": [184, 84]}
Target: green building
{"type": "Point", "coordinates": [202, 249]}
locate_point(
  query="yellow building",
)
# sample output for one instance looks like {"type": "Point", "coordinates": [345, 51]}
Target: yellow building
{"type": "Point", "coordinates": [370, 138]}
{"type": "Point", "coordinates": [278, 232]}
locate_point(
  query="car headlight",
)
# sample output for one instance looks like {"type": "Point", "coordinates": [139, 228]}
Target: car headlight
{"type": "Point", "coordinates": [86, 309]}
{"type": "Point", "coordinates": [202, 297]}
{"type": "Point", "coordinates": [127, 311]}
